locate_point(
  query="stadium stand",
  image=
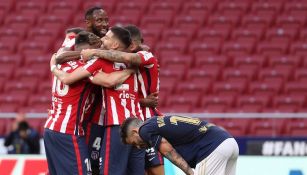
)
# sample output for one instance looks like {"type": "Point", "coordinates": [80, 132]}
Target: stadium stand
{"type": "Point", "coordinates": [215, 55]}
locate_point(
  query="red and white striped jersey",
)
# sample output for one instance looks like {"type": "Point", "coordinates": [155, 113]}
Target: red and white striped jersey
{"type": "Point", "coordinates": [69, 103]}
{"type": "Point", "coordinates": [148, 77]}
{"type": "Point", "coordinates": [122, 101]}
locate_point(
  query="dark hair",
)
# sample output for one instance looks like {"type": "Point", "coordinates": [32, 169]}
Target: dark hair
{"type": "Point", "coordinates": [90, 11]}
{"type": "Point", "coordinates": [124, 128]}
{"type": "Point", "coordinates": [23, 125]}
{"type": "Point", "coordinates": [86, 37]}
{"type": "Point", "coordinates": [135, 32]}
{"type": "Point", "coordinates": [75, 30]}
{"type": "Point", "coordinates": [122, 34]}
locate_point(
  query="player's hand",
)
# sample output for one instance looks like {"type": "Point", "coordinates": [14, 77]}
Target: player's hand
{"type": "Point", "coordinates": [86, 54]}
{"type": "Point", "coordinates": [151, 100]}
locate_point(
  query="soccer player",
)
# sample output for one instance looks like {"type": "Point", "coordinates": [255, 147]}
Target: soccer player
{"type": "Point", "coordinates": [186, 142]}
{"type": "Point", "coordinates": [65, 146]}
{"type": "Point", "coordinates": [148, 78]}
{"type": "Point", "coordinates": [97, 22]}
{"type": "Point", "coordinates": [120, 103]}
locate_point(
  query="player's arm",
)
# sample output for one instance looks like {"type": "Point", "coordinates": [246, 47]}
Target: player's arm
{"type": "Point", "coordinates": [133, 59]}
{"type": "Point", "coordinates": [66, 55]}
{"type": "Point", "coordinates": [150, 101]}
{"type": "Point", "coordinates": [112, 79]}
{"type": "Point", "coordinates": [171, 154]}
{"type": "Point", "coordinates": [67, 78]}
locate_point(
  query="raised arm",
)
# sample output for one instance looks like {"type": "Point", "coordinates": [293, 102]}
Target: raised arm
{"type": "Point", "coordinates": [64, 56]}
{"type": "Point", "coordinates": [133, 59]}
{"type": "Point", "coordinates": [68, 78]}
{"type": "Point", "coordinates": [112, 79]}
{"type": "Point", "coordinates": [170, 153]}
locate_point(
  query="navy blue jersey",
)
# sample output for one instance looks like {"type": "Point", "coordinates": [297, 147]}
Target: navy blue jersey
{"type": "Point", "coordinates": [192, 138]}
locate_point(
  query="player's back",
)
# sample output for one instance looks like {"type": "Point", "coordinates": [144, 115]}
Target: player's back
{"type": "Point", "coordinates": [148, 78]}
{"type": "Point", "coordinates": [121, 101]}
{"type": "Point", "coordinates": [69, 103]}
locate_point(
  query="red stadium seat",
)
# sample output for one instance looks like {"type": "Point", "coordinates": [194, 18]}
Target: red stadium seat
{"type": "Point", "coordinates": [252, 62]}
{"type": "Point", "coordinates": [211, 34]}
{"type": "Point", "coordinates": [238, 48]}
{"type": "Point", "coordinates": [278, 74]}
{"type": "Point", "coordinates": [285, 60]}
{"type": "Point", "coordinates": [218, 101]}
{"type": "Point", "coordinates": [272, 48]}
{"type": "Point", "coordinates": [290, 21]}
{"type": "Point", "coordinates": [6, 70]}
{"type": "Point", "coordinates": [256, 21]}
{"type": "Point", "coordinates": [303, 34]}
{"type": "Point", "coordinates": [255, 108]}
{"type": "Point", "coordinates": [4, 126]}
{"type": "Point", "coordinates": [11, 60]}
{"type": "Point", "coordinates": [13, 99]}
{"type": "Point", "coordinates": [247, 35]}
{"type": "Point", "coordinates": [267, 7]}
{"type": "Point", "coordinates": [176, 61]}
{"type": "Point", "coordinates": [299, 48]}
{"type": "Point", "coordinates": [197, 7]}
{"type": "Point", "coordinates": [53, 20]}
{"type": "Point", "coordinates": [37, 124]}
{"type": "Point", "coordinates": [189, 23]}
{"type": "Point", "coordinates": [124, 20]}
{"type": "Point", "coordinates": [218, 61]}
{"type": "Point", "coordinates": [266, 127]}
{"type": "Point", "coordinates": [223, 21]}
{"type": "Point", "coordinates": [232, 7]}
{"type": "Point", "coordinates": [18, 87]}
{"type": "Point", "coordinates": [8, 107]}
{"type": "Point", "coordinates": [170, 48]}
{"type": "Point", "coordinates": [203, 76]}
{"type": "Point", "coordinates": [7, 48]}
{"type": "Point", "coordinates": [229, 88]}
{"type": "Point", "coordinates": [34, 47]}
{"type": "Point", "coordinates": [296, 7]}
{"type": "Point", "coordinates": [236, 127]}
{"type": "Point", "coordinates": [37, 60]}
{"type": "Point", "coordinates": [264, 88]}
{"type": "Point", "coordinates": [108, 6]}
{"type": "Point", "coordinates": [192, 89]}
{"type": "Point", "coordinates": [30, 8]}
{"type": "Point", "coordinates": [211, 108]}
{"type": "Point", "coordinates": [180, 103]}
{"type": "Point", "coordinates": [155, 22]}
{"type": "Point", "coordinates": [19, 21]}
{"type": "Point", "coordinates": [253, 101]}
{"type": "Point", "coordinates": [150, 36]}
{"type": "Point", "coordinates": [238, 74]}
{"type": "Point", "coordinates": [177, 36]}
{"type": "Point", "coordinates": [63, 7]}
{"type": "Point", "coordinates": [280, 34]}
{"type": "Point", "coordinates": [301, 75]}
{"type": "Point", "coordinates": [43, 34]}
{"type": "Point", "coordinates": [11, 35]}
{"type": "Point", "coordinates": [205, 48]}
{"type": "Point", "coordinates": [296, 87]}
{"type": "Point", "coordinates": [165, 8]}
{"type": "Point", "coordinates": [28, 74]}
{"type": "Point", "coordinates": [6, 6]}
{"type": "Point", "coordinates": [296, 127]}
{"type": "Point", "coordinates": [39, 99]}
{"type": "Point", "coordinates": [291, 101]}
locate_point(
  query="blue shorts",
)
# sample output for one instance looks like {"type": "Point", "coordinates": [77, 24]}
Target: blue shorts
{"type": "Point", "coordinates": [153, 158]}
{"type": "Point", "coordinates": [118, 158]}
{"type": "Point", "coordinates": [66, 154]}
{"type": "Point", "coordinates": [94, 137]}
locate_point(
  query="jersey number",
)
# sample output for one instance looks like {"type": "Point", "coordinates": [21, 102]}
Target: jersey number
{"type": "Point", "coordinates": [97, 143]}
{"type": "Point", "coordinates": [58, 87]}
{"type": "Point", "coordinates": [175, 119]}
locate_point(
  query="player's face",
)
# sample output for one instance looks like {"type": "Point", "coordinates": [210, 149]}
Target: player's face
{"type": "Point", "coordinates": [100, 23]}
{"type": "Point", "coordinates": [135, 140]}
{"type": "Point", "coordinates": [108, 41]}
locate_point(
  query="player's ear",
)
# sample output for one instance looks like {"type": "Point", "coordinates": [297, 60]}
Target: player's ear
{"type": "Point", "coordinates": [88, 23]}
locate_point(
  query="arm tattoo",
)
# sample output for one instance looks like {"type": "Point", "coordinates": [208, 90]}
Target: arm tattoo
{"type": "Point", "coordinates": [118, 56]}
{"type": "Point", "coordinates": [175, 158]}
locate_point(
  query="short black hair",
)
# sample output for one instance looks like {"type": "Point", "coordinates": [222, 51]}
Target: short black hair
{"type": "Point", "coordinates": [131, 121]}
{"type": "Point", "coordinates": [86, 37]}
{"type": "Point", "coordinates": [23, 125]}
{"type": "Point", "coordinates": [122, 34]}
{"type": "Point", "coordinates": [135, 32]}
{"type": "Point", "coordinates": [90, 11]}
{"type": "Point", "coordinates": [75, 30]}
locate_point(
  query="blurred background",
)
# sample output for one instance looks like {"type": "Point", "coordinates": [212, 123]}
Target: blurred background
{"type": "Point", "coordinates": [239, 63]}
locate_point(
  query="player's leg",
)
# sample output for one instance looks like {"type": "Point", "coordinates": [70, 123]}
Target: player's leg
{"type": "Point", "coordinates": [68, 153]}
{"type": "Point", "coordinates": [136, 163]}
{"type": "Point", "coordinates": [232, 162]}
{"type": "Point", "coordinates": [94, 138]}
{"type": "Point", "coordinates": [114, 153]}
{"type": "Point", "coordinates": [48, 149]}
{"type": "Point", "coordinates": [217, 161]}
{"type": "Point", "coordinates": [153, 162]}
